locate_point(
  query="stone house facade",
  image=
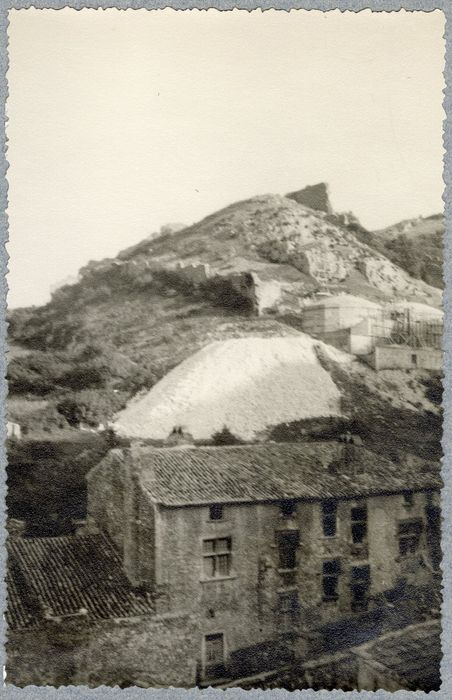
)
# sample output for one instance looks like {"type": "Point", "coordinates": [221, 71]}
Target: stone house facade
{"type": "Point", "coordinates": [242, 553]}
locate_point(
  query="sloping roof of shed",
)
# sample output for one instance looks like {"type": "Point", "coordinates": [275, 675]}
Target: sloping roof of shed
{"type": "Point", "coordinates": [184, 476]}
{"type": "Point", "coordinates": [413, 654]}
{"type": "Point", "coordinates": [64, 575]}
{"type": "Point", "coordinates": [343, 301]}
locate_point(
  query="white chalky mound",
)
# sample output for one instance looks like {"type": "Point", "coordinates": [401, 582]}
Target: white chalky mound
{"type": "Point", "coordinates": [245, 384]}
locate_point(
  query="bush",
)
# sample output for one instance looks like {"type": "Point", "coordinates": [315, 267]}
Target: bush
{"type": "Point", "coordinates": [225, 437]}
{"type": "Point", "coordinates": [90, 406]}
{"type": "Point", "coordinates": [434, 389]}
{"type": "Point", "coordinates": [36, 373]}
{"type": "Point", "coordinates": [88, 376]}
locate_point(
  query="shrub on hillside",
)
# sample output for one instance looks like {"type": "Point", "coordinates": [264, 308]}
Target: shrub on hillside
{"type": "Point", "coordinates": [434, 389]}
{"type": "Point", "coordinates": [90, 406]}
{"type": "Point", "coordinates": [85, 376]}
{"type": "Point", "coordinates": [36, 373]}
{"type": "Point", "coordinates": [225, 437]}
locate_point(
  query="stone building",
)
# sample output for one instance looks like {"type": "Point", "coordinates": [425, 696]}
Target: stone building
{"type": "Point", "coordinates": [393, 356]}
{"type": "Point", "coordinates": [336, 313]}
{"type": "Point", "coordinates": [13, 430]}
{"type": "Point", "coordinates": [402, 335]}
{"type": "Point", "coordinates": [203, 564]}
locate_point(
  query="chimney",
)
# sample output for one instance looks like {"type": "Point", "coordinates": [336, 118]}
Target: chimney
{"type": "Point", "coordinates": [347, 460]}
{"type": "Point", "coordinates": [132, 523]}
{"type": "Point", "coordinates": [179, 437]}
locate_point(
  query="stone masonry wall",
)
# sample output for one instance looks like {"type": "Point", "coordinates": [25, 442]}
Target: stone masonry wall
{"type": "Point", "coordinates": [251, 591]}
{"type": "Point", "coordinates": [106, 498]}
{"type": "Point", "coordinates": [402, 357]}
{"type": "Point", "coordinates": [157, 651]}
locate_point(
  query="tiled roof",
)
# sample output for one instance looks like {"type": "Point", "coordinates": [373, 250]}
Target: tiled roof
{"type": "Point", "coordinates": [65, 575]}
{"type": "Point", "coordinates": [20, 613]}
{"type": "Point", "coordinates": [183, 476]}
{"type": "Point", "coordinates": [413, 654]}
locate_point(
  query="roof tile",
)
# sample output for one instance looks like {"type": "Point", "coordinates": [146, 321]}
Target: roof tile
{"type": "Point", "coordinates": [271, 471]}
{"type": "Point", "coordinates": [64, 575]}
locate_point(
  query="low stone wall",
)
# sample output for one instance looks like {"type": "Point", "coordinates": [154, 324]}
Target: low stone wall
{"type": "Point", "coordinates": [157, 651]}
{"type": "Point", "coordinates": [405, 357]}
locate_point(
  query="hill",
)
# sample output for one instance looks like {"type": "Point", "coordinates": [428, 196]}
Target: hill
{"type": "Point", "coordinates": [239, 272]}
{"type": "Point", "coordinates": [415, 245]}
{"type": "Point", "coordinates": [135, 327]}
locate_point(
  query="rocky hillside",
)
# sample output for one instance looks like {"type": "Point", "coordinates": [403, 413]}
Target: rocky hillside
{"type": "Point", "coordinates": [300, 249]}
{"type": "Point", "coordinates": [130, 331]}
{"type": "Point", "coordinates": [415, 245]}
{"type": "Point", "coordinates": [237, 273]}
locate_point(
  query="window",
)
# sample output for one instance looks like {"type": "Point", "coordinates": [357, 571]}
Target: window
{"type": "Point", "coordinates": [288, 608]}
{"type": "Point", "coordinates": [408, 499]}
{"type": "Point", "coordinates": [329, 515]}
{"type": "Point", "coordinates": [358, 518]}
{"type": "Point", "coordinates": [409, 534]}
{"type": "Point", "coordinates": [214, 655]}
{"type": "Point", "coordinates": [288, 508]}
{"type": "Point", "coordinates": [287, 545]}
{"type": "Point", "coordinates": [429, 498]}
{"type": "Point", "coordinates": [414, 359]}
{"type": "Point", "coordinates": [217, 557]}
{"type": "Point", "coordinates": [359, 587]}
{"type": "Point", "coordinates": [330, 581]}
{"type": "Point", "coordinates": [216, 511]}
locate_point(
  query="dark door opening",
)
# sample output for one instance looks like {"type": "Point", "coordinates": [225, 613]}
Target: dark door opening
{"type": "Point", "coordinates": [214, 666]}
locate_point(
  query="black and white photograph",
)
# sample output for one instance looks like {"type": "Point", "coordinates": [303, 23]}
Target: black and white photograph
{"type": "Point", "coordinates": [224, 349]}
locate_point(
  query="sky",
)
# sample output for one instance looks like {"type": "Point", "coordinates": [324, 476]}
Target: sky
{"type": "Point", "coordinates": [120, 122]}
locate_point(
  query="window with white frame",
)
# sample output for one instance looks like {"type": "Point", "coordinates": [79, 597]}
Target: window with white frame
{"type": "Point", "coordinates": [217, 557]}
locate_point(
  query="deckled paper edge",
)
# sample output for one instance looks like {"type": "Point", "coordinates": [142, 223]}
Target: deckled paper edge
{"type": "Point", "coordinates": [82, 692]}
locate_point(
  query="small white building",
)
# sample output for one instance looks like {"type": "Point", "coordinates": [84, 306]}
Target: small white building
{"type": "Point", "coordinates": [337, 312]}
{"type": "Point", "coordinates": [13, 430]}
{"type": "Point", "coordinates": [417, 311]}
{"type": "Point", "coordinates": [406, 357]}
{"type": "Point", "coordinates": [345, 321]}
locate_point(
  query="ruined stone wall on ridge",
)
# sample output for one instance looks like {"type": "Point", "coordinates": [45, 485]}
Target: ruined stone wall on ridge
{"type": "Point", "coordinates": [314, 196]}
